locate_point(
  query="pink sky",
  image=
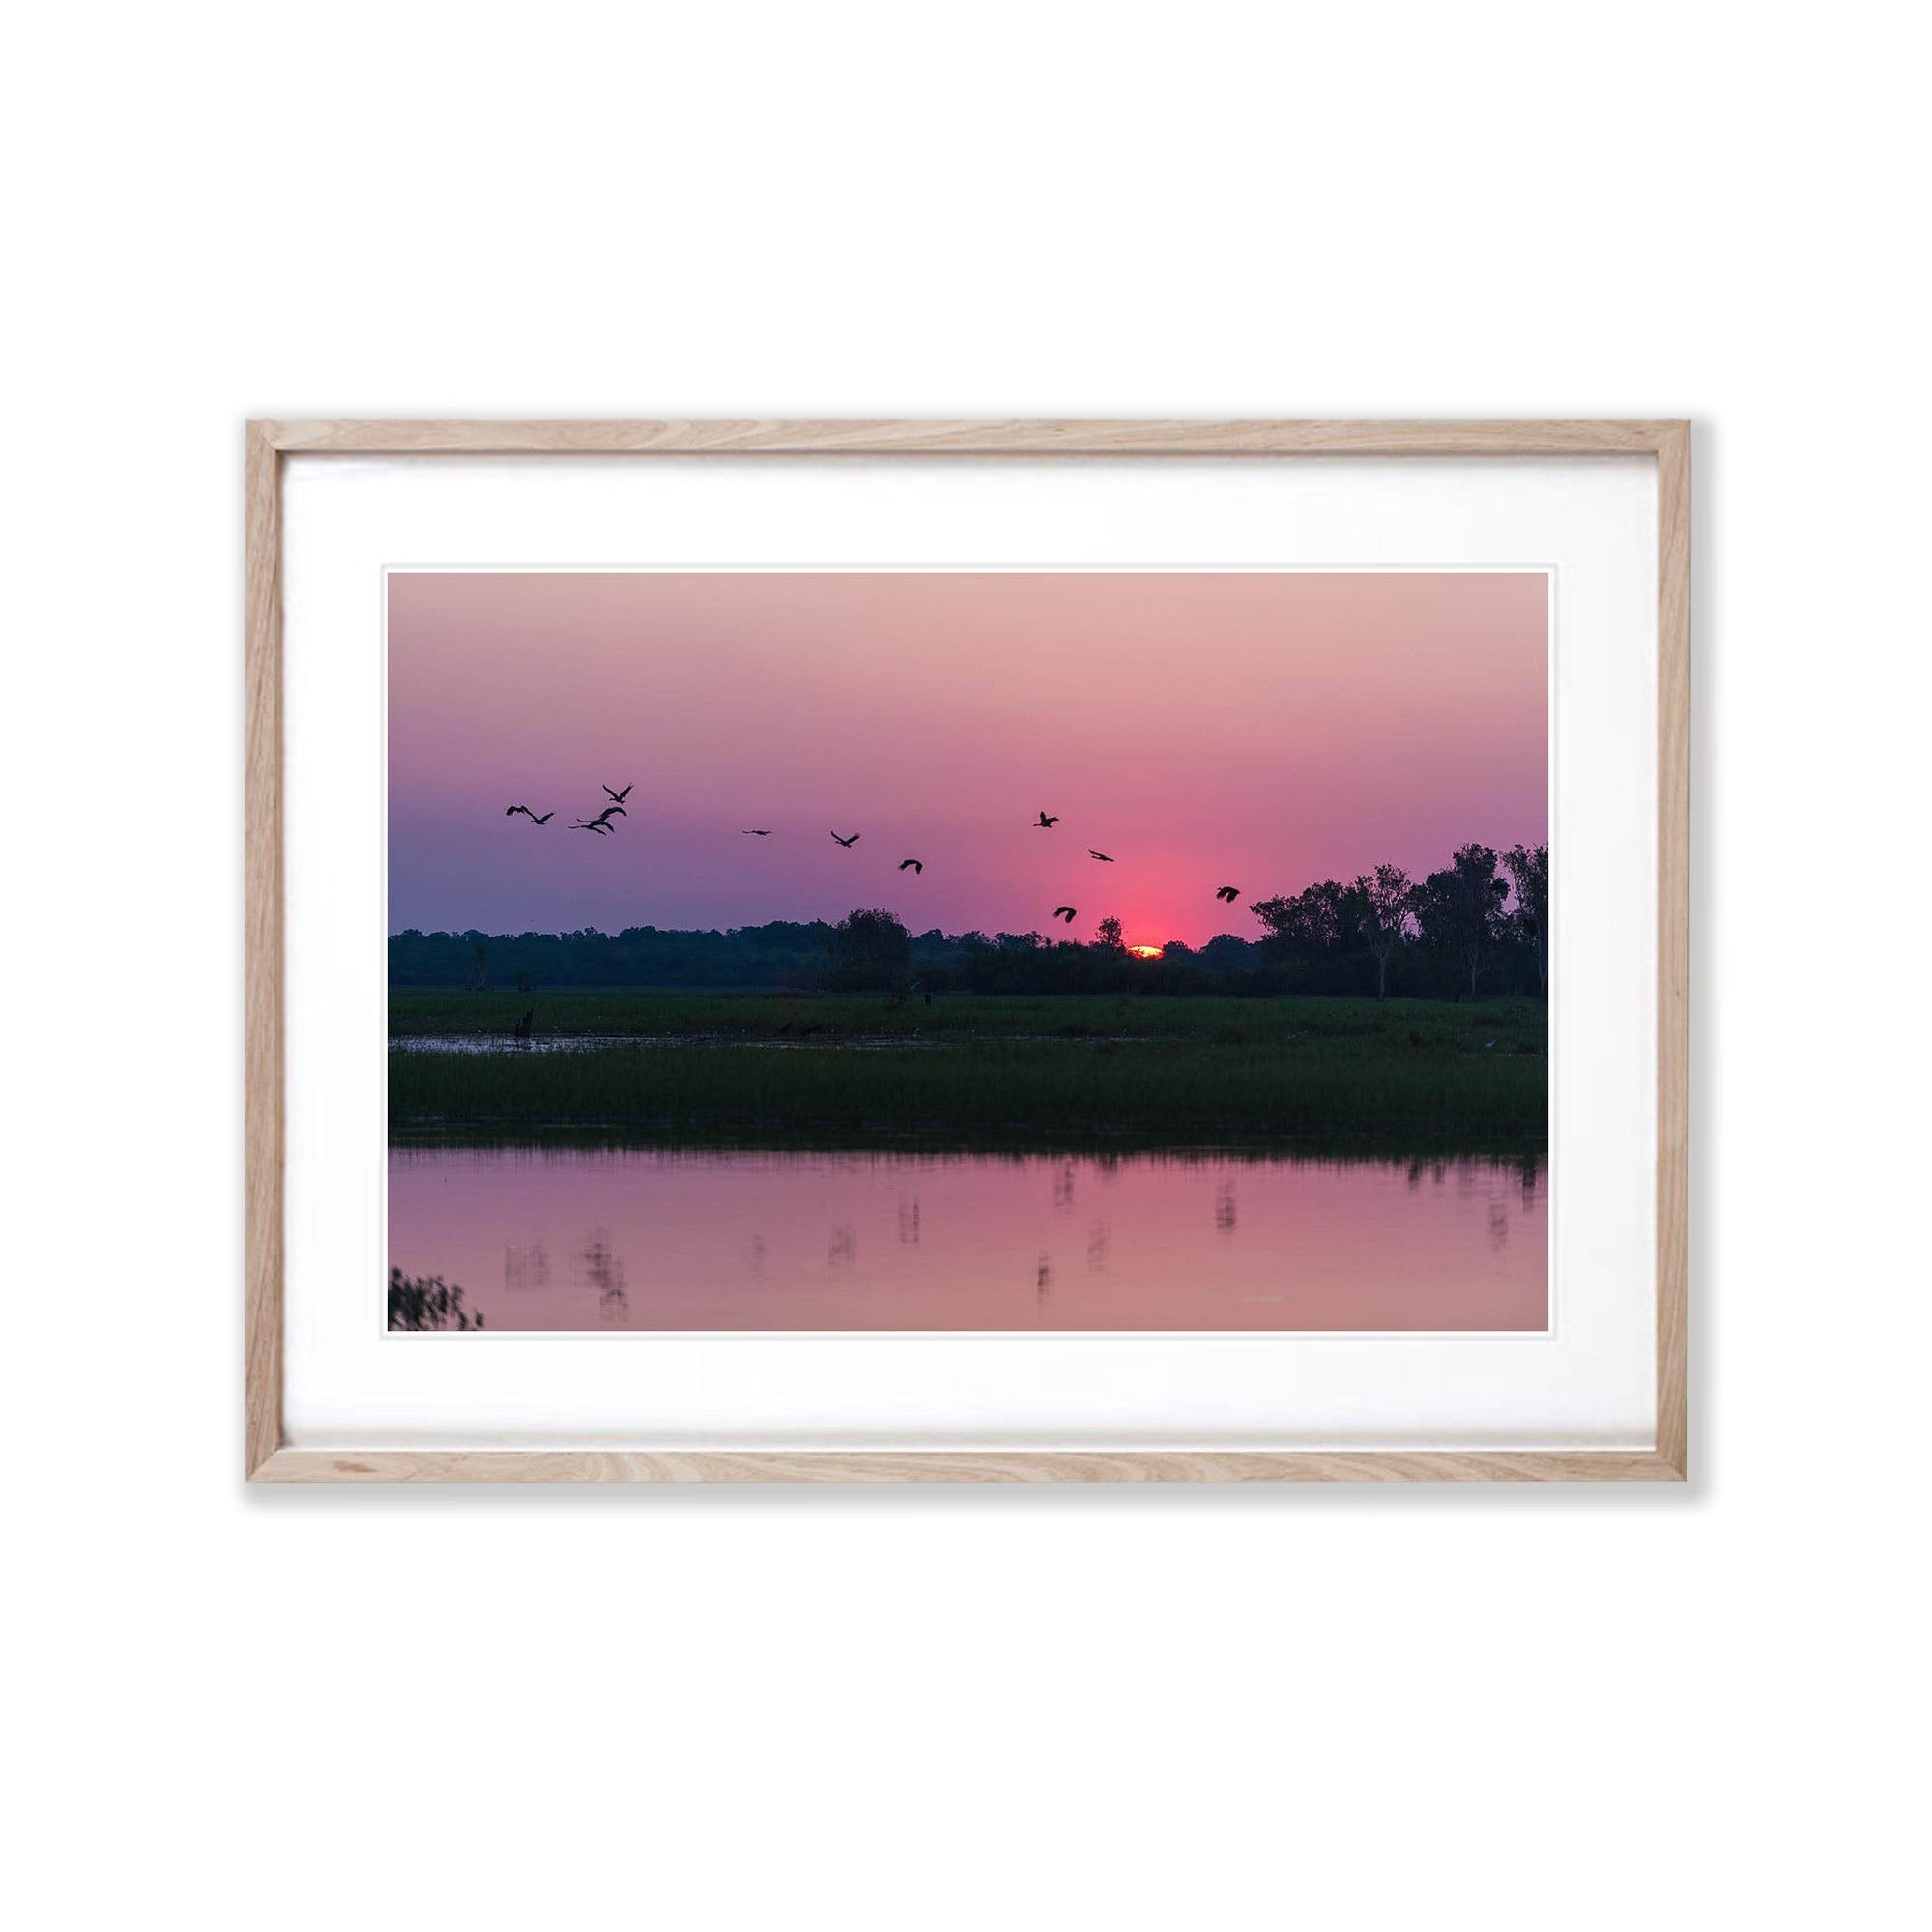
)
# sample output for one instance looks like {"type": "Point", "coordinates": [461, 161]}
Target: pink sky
{"type": "Point", "coordinates": [1263, 731]}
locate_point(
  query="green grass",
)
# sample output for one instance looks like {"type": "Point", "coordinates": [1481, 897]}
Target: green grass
{"type": "Point", "coordinates": [982, 1071]}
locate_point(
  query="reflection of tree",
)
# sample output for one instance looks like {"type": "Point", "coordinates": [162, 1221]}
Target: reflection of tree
{"type": "Point", "coordinates": [607, 1276]}
{"type": "Point", "coordinates": [1224, 1207]}
{"type": "Point", "coordinates": [427, 1301]}
{"type": "Point", "coordinates": [526, 1267]}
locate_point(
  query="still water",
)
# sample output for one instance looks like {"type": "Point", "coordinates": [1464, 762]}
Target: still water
{"type": "Point", "coordinates": [579, 1239]}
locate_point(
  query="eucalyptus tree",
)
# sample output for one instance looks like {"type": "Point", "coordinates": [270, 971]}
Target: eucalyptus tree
{"type": "Point", "coordinates": [1389, 900]}
{"type": "Point", "coordinates": [1459, 910]}
{"type": "Point", "coordinates": [1528, 867]}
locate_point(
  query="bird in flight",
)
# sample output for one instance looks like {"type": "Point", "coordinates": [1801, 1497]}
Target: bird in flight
{"type": "Point", "coordinates": [529, 814]}
{"type": "Point", "coordinates": [850, 842]}
{"type": "Point", "coordinates": [1101, 857]}
{"type": "Point", "coordinates": [912, 863]}
{"type": "Point", "coordinates": [602, 822]}
{"type": "Point", "coordinates": [758, 831]}
{"type": "Point", "coordinates": [1230, 893]}
{"type": "Point", "coordinates": [618, 797]}
{"type": "Point", "coordinates": [596, 826]}
{"type": "Point", "coordinates": [1048, 821]}
{"type": "Point", "coordinates": [1065, 912]}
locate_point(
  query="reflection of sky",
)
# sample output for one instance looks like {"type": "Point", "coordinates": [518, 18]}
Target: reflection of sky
{"type": "Point", "coordinates": [1259, 730]}
{"type": "Point", "coordinates": [695, 1240]}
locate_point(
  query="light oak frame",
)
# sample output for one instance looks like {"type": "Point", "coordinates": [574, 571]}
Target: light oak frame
{"type": "Point", "coordinates": [270, 1458]}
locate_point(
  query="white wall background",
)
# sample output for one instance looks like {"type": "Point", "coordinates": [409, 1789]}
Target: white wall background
{"type": "Point", "coordinates": [736, 1710]}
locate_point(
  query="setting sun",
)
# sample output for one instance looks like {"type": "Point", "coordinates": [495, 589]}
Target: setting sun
{"type": "Point", "coordinates": [1145, 952]}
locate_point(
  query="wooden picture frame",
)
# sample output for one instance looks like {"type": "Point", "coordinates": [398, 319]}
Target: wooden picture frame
{"type": "Point", "coordinates": [268, 1458]}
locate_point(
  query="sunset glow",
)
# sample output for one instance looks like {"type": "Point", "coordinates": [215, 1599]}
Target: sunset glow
{"type": "Point", "coordinates": [1263, 729]}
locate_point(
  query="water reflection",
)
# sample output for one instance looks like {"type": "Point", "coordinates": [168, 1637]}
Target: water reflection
{"type": "Point", "coordinates": [583, 1239]}
{"type": "Point", "coordinates": [1096, 1246]}
{"type": "Point", "coordinates": [525, 1267]}
{"type": "Point", "coordinates": [604, 1270]}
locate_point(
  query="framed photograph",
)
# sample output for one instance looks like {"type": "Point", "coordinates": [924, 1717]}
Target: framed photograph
{"type": "Point", "coordinates": [950, 951]}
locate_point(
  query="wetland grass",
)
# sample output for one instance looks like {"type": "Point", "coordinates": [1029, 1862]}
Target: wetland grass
{"type": "Point", "coordinates": [1137, 1072]}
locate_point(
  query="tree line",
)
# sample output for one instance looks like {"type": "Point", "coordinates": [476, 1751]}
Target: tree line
{"type": "Point", "coordinates": [1483, 912]}
{"type": "Point", "coordinates": [1480, 925]}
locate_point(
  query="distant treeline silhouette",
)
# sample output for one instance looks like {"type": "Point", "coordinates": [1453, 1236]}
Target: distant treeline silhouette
{"type": "Point", "coordinates": [1480, 925]}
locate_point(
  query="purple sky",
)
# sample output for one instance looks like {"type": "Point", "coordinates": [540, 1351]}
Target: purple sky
{"type": "Point", "coordinates": [1254, 730]}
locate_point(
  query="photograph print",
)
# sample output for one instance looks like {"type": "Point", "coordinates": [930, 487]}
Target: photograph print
{"type": "Point", "coordinates": [969, 950]}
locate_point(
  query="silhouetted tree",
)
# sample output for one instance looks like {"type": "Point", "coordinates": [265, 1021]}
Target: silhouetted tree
{"type": "Point", "coordinates": [872, 952]}
{"type": "Point", "coordinates": [1109, 936]}
{"type": "Point", "coordinates": [1389, 902]}
{"type": "Point", "coordinates": [1319, 925]}
{"type": "Point", "coordinates": [1528, 867]}
{"type": "Point", "coordinates": [1461, 909]}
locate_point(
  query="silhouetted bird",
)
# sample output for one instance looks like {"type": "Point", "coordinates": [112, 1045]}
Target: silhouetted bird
{"type": "Point", "coordinates": [521, 1032]}
{"type": "Point", "coordinates": [544, 819]}
{"type": "Point", "coordinates": [618, 797]}
{"type": "Point", "coordinates": [604, 816]}
{"type": "Point", "coordinates": [528, 814]}
{"type": "Point", "coordinates": [1065, 912]}
{"type": "Point", "coordinates": [596, 826]}
{"type": "Point", "coordinates": [912, 863]}
{"type": "Point", "coordinates": [852, 841]}
{"type": "Point", "coordinates": [1230, 893]}
{"type": "Point", "coordinates": [1101, 857]}
{"type": "Point", "coordinates": [1048, 821]}
{"type": "Point", "coordinates": [758, 831]}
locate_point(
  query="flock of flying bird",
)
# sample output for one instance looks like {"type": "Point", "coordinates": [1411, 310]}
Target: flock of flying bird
{"type": "Point", "coordinates": [601, 825]}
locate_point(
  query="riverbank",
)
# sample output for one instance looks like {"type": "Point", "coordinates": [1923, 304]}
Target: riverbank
{"type": "Point", "coordinates": [1095, 1071]}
